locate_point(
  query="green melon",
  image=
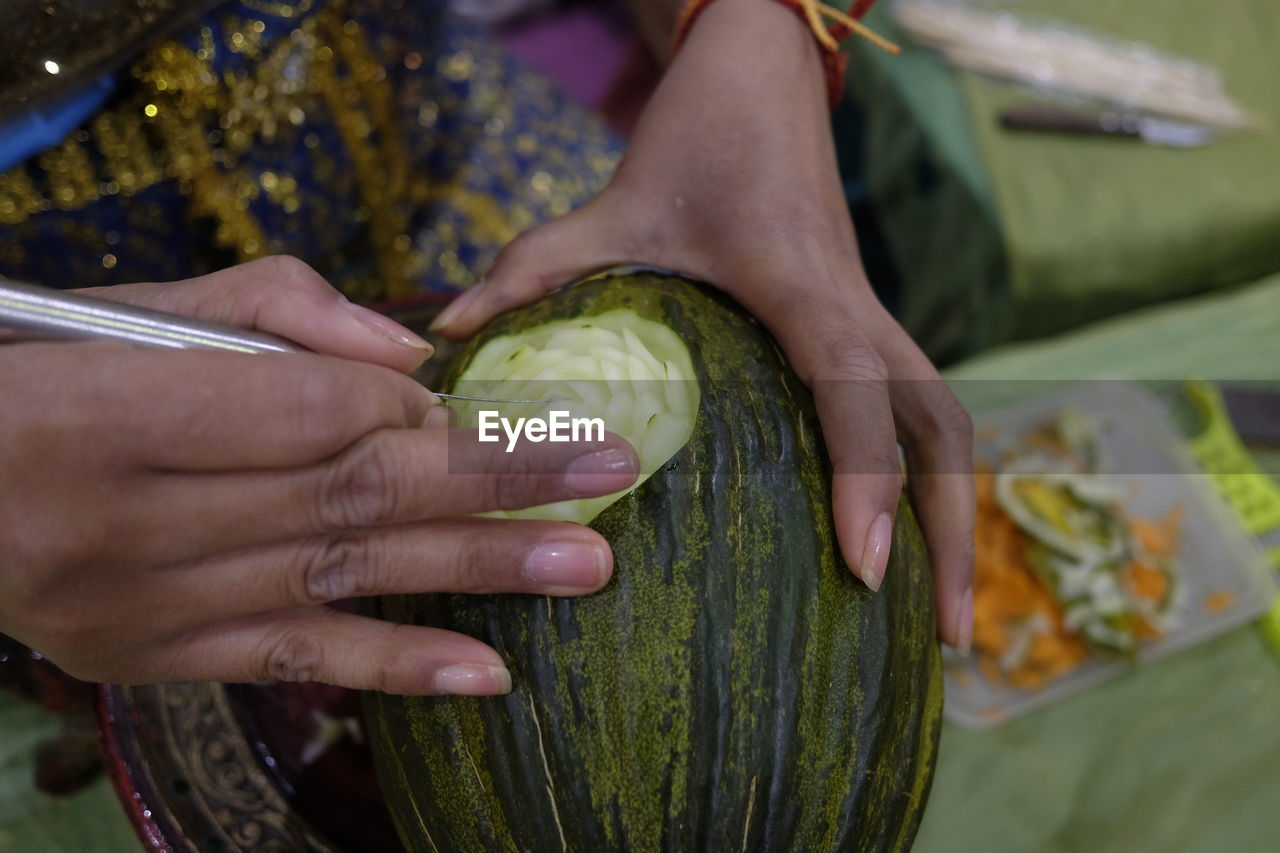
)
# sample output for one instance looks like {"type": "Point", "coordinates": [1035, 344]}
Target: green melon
{"type": "Point", "coordinates": [734, 687]}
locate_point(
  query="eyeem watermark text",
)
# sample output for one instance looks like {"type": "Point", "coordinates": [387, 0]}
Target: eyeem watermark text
{"type": "Point", "coordinates": [558, 427]}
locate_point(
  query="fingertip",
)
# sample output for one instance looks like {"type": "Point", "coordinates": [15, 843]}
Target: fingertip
{"type": "Point", "coordinates": [448, 322]}
{"type": "Point", "coordinates": [954, 605]}
{"type": "Point", "coordinates": [469, 679]}
{"type": "Point", "coordinates": [875, 551]}
{"type": "Point", "coordinates": [440, 416]}
{"type": "Point", "coordinates": [431, 412]}
{"type": "Point", "coordinates": [865, 507]}
{"type": "Point", "coordinates": [385, 327]}
{"type": "Point", "coordinates": [603, 471]}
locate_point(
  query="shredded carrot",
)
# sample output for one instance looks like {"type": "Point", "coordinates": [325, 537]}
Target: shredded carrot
{"type": "Point", "coordinates": [1158, 537]}
{"type": "Point", "coordinates": [1219, 600]}
{"type": "Point", "coordinates": [1147, 582]}
{"type": "Point", "coordinates": [1149, 534]}
{"type": "Point", "coordinates": [1009, 600]}
{"type": "Point", "coordinates": [1046, 440]}
{"type": "Point", "coordinates": [1007, 594]}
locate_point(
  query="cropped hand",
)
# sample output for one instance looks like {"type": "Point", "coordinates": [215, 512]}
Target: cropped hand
{"type": "Point", "coordinates": [731, 178]}
{"type": "Point", "coordinates": [192, 515]}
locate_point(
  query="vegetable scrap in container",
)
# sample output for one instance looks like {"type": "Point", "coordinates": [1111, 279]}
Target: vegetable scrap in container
{"type": "Point", "coordinates": [1061, 571]}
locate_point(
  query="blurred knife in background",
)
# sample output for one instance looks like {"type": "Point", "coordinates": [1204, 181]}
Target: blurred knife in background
{"type": "Point", "coordinates": [1117, 125]}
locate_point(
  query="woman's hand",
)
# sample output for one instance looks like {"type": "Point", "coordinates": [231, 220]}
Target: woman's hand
{"type": "Point", "coordinates": [189, 515]}
{"type": "Point", "coordinates": [731, 177]}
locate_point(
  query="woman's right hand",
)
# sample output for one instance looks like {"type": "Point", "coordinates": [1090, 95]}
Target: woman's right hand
{"type": "Point", "coordinates": [191, 515]}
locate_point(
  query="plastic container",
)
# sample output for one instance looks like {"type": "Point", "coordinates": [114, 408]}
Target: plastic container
{"type": "Point", "coordinates": [1155, 472]}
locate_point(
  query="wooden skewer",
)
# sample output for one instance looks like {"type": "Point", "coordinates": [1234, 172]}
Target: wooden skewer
{"type": "Point", "coordinates": [1062, 60]}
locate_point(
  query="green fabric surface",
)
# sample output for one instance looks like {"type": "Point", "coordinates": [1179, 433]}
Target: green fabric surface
{"type": "Point", "coordinates": [89, 821]}
{"type": "Point", "coordinates": [1092, 227]}
{"type": "Point", "coordinates": [1000, 236]}
{"type": "Point", "coordinates": [1182, 755]}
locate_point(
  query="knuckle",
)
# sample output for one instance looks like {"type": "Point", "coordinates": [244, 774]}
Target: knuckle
{"type": "Point", "coordinates": [515, 489]}
{"type": "Point", "coordinates": [479, 562]}
{"type": "Point", "coordinates": [292, 655]}
{"type": "Point", "coordinates": [362, 490]}
{"type": "Point", "coordinates": [289, 271]}
{"type": "Point", "coordinates": [336, 567]}
{"type": "Point", "coordinates": [523, 248]}
{"type": "Point", "coordinates": [502, 491]}
{"type": "Point", "coordinates": [386, 672]}
{"type": "Point", "coordinates": [942, 422]}
{"type": "Point", "coordinates": [851, 357]}
{"type": "Point", "coordinates": [953, 421]}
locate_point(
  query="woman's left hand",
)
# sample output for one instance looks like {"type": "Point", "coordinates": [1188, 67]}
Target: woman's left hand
{"type": "Point", "coordinates": [731, 178]}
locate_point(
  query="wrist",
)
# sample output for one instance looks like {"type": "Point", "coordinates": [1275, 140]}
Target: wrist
{"type": "Point", "coordinates": [827, 24]}
{"type": "Point", "coordinates": [761, 45]}
{"type": "Point", "coordinates": [787, 29]}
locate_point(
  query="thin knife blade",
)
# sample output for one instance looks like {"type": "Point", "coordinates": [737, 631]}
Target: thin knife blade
{"type": "Point", "coordinates": [1158, 131]}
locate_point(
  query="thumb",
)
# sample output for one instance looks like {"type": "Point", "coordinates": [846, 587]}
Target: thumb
{"type": "Point", "coordinates": [535, 263]}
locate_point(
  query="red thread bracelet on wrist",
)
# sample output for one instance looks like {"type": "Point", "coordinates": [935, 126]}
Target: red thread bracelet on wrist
{"type": "Point", "coordinates": [829, 37]}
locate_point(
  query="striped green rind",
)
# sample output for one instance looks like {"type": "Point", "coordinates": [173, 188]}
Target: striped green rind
{"type": "Point", "coordinates": [734, 687]}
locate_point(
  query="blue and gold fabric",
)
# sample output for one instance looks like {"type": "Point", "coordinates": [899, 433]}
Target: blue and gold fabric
{"type": "Point", "coordinates": [390, 146]}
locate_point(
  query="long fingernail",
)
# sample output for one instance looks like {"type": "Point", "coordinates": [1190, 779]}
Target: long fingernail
{"type": "Point", "coordinates": [468, 679]}
{"type": "Point", "coordinates": [455, 308]}
{"type": "Point", "coordinates": [965, 640]}
{"type": "Point", "coordinates": [601, 473]}
{"type": "Point", "coordinates": [388, 328]}
{"type": "Point", "coordinates": [566, 566]}
{"type": "Point", "coordinates": [875, 551]}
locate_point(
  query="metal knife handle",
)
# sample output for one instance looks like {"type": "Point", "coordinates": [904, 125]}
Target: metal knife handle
{"type": "Point", "coordinates": [1057, 120]}
{"type": "Point", "coordinates": [28, 312]}
{"type": "Point", "coordinates": [31, 313]}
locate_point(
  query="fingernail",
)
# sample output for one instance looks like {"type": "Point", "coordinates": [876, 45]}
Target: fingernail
{"type": "Point", "coordinates": [875, 552]}
{"type": "Point", "coordinates": [455, 308]}
{"type": "Point", "coordinates": [966, 623]}
{"type": "Point", "coordinates": [388, 328]}
{"type": "Point", "coordinates": [600, 473]}
{"type": "Point", "coordinates": [569, 566]}
{"type": "Point", "coordinates": [467, 679]}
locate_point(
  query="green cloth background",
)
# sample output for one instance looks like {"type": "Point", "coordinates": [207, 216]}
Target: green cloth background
{"type": "Point", "coordinates": [1000, 236]}
{"type": "Point", "coordinates": [90, 821]}
{"type": "Point", "coordinates": [1182, 755]}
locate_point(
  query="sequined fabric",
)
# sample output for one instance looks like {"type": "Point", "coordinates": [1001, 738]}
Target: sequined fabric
{"type": "Point", "coordinates": [392, 148]}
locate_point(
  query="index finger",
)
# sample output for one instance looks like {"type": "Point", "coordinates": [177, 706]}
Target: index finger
{"type": "Point", "coordinates": [203, 410]}
{"type": "Point", "coordinates": [286, 297]}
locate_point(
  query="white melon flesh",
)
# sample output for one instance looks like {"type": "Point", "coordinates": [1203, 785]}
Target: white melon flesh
{"type": "Point", "coordinates": [634, 374]}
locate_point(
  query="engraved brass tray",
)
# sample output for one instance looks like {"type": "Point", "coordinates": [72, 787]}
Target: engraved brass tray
{"type": "Point", "coordinates": [214, 767]}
